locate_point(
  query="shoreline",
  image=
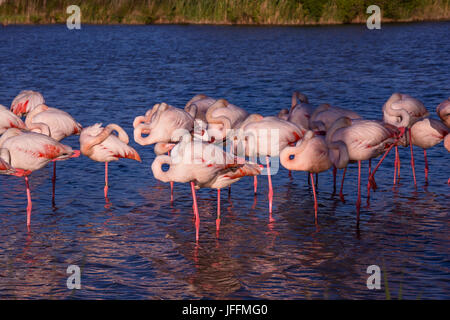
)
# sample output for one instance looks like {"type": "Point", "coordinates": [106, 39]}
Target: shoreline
{"type": "Point", "coordinates": [220, 12]}
{"type": "Point", "coordinates": [243, 24]}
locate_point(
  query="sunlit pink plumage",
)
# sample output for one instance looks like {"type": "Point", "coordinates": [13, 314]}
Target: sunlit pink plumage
{"type": "Point", "coordinates": [265, 137]}
{"type": "Point", "coordinates": [31, 151]}
{"type": "Point", "coordinates": [310, 154]}
{"type": "Point", "coordinates": [362, 140]}
{"type": "Point", "coordinates": [26, 101]}
{"type": "Point", "coordinates": [100, 144]}
{"type": "Point", "coordinates": [9, 120]}
{"type": "Point", "coordinates": [203, 165]}
{"type": "Point", "coordinates": [60, 123]}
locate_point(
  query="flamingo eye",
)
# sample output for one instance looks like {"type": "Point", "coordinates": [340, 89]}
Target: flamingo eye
{"type": "Point", "coordinates": [291, 157]}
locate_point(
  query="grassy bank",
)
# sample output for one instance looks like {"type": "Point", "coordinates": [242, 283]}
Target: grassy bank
{"type": "Point", "coordinates": [283, 12]}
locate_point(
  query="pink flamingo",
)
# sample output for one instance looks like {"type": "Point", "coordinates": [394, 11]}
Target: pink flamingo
{"type": "Point", "coordinates": [6, 168]}
{"type": "Point", "coordinates": [163, 124]}
{"type": "Point", "coordinates": [26, 101]}
{"type": "Point", "coordinates": [221, 117]}
{"type": "Point", "coordinates": [199, 105]}
{"type": "Point", "coordinates": [427, 133]}
{"type": "Point", "coordinates": [443, 111]}
{"type": "Point", "coordinates": [31, 151]}
{"type": "Point", "coordinates": [301, 111]}
{"type": "Point", "coordinates": [61, 125]}
{"type": "Point", "coordinates": [203, 165]}
{"type": "Point", "coordinates": [325, 115]}
{"type": "Point", "coordinates": [299, 114]}
{"type": "Point", "coordinates": [265, 137]}
{"type": "Point", "coordinates": [9, 120]}
{"type": "Point", "coordinates": [362, 140]}
{"type": "Point", "coordinates": [100, 144]}
{"type": "Point", "coordinates": [402, 111]}
{"type": "Point", "coordinates": [309, 154]}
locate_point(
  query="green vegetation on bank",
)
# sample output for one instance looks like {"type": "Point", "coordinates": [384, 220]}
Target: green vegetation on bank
{"type": "Point", "coordinates": [288, 12]}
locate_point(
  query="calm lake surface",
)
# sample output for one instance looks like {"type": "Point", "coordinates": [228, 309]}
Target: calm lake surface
{"type": "Point", "coordinates": [142, 247]}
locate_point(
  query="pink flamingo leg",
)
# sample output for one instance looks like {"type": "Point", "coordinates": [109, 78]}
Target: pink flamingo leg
{"type": "Point", "coordinates": [398, 165]}
{"type": "Point", "coordinates": [368, 182]}
{"type": "Point", "coordinates": [255, 184]}
{"type": "Point", "coordinates": [269, 177]}
{"type": "Point", "coordinates": [341, 195]}
{"type": "Point", "coordinates": [197, 216]}
{"type": "Point", "coordinates": [54, 183]}
{"type": "Point", "coordinates": [395, 164]}
{"type": "Point", "coordinates": [412, 158]}
{"type": "Point", "coordinates": [105, 190]}
{"type": "Point", "coordinates": [358, 202]}
{"type": "Point", "coordinates": [426, 165]}
{"type": "Point", "coordinates": [218, 213]}
{"type": "Point", "coordinates": [334, 179]}
{"type": "Point", "coordinates": [315, 197]}
{"type": "Point", "coordinates": [371, 178]}
{"type": "Point", "coordinates": [171, 185]}
{"type": "Point", "coordinates": [30, 205]}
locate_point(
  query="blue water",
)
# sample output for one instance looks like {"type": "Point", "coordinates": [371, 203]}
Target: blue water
{"type": "Point", "coordinates": [142, 247]}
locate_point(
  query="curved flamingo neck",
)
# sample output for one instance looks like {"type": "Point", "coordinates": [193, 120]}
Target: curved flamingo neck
{"type": "Point", "coordinates": [157, 168]}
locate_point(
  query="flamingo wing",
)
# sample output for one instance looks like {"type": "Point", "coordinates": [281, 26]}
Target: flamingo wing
{"type": "Point", "coordinates": [61, 123]}
{"type": "Point", "coordinates": [32, 151]}
{"type": "Point", "coordinates": [9, 120]}
{"type": "Point", "coordinates": [112, 149]}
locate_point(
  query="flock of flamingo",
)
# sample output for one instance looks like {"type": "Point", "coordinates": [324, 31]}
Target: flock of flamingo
{"type": "Point", "coordinates": [189, 142]}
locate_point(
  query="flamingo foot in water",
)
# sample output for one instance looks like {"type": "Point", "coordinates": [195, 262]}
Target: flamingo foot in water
{"type": "Point", "coordinates": [53, 183]}
{"type": "Point", "coordinates": [315, 197]}
{"type": "Point", "coordinates": [105, 190]}
{"type": "Point", "coordinates": [395, 165]}
{"type": "Point", "coordinates": [197, 216]}
{"type": "Point", "coordinates": [218, 213]}
{"type": "Point", "coordinates": [270, 195]}
{"type": "Point", "coordinates": [358, 202]}
{"type": "Point", "coordinates": [334, 179]}
{"type": "Point", "coordinates": [30, 205]}
{"type": "Point", "coordinates": [426, 165]}
{"type": "Point", "coordinates": [368, 183]}
{"type": "Point", "coordinates": [412, 159]}
{"type": "Point", "coordinates": [341, 194]}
